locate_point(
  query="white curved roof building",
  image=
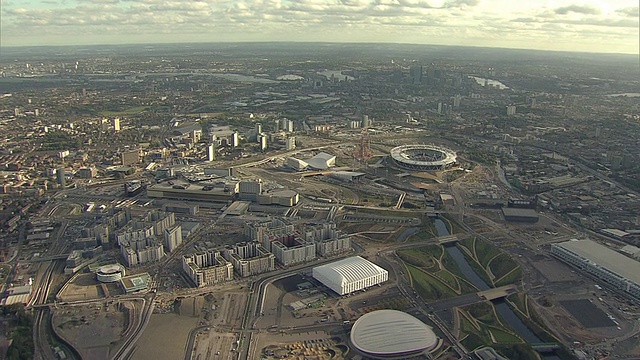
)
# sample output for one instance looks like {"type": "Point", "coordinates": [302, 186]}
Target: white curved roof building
{"type": "Point", "coordinates": [110, 273]}
{"type": "Point", "coordinates": [350, 274]}
{"type": "Point", "coordinates": [392, 334]}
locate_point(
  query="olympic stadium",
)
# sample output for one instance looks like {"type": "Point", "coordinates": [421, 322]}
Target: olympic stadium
{"type": "Point", "coordinates": [392, 334]}
{"type": "Point", "coordinates": [423, 157]}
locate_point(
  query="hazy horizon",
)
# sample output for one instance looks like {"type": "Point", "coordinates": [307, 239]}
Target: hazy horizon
{"type": "Point", "coordinates": [556, 25]}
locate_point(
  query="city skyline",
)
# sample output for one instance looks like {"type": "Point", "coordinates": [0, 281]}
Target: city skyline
{"type": "Point", "coordinates": [567, 25]}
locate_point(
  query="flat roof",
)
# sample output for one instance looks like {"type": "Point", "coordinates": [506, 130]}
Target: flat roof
{"type": "Point", "coordinates": [135, 281]}
{"type": "Point", "coordinates": [507, 211]}
{"type": "Point", "coordinates": [604, 257]}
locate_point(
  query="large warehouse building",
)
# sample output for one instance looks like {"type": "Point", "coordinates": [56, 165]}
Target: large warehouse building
{"type": "Point", "coordinates": [350, 274]}
{"type": "Point", "coordinates": [392, 334]}
{"type": "Point", "coordinates": [613, 268]}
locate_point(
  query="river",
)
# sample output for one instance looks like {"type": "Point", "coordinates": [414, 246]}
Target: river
{"type": "Point", "coordinates": [501, 307]}
{"type": "Point", "coordinates": [489, 82]}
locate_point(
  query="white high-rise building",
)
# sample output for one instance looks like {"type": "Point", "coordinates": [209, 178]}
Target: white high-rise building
{"type": "Point", "coordinates": [116, 124]}
{"type": "Point", "coordinates": [235, 141]}
{"type": "Point", "coordinates": [172, 237]}
{"type": "Point", "coordinates": [511, 110]}
{"type": "Point", "coordinates": [290, 143]}
{"type": "Point", "coordinates": [262, 139]}
{"type": "Point", "coordinates": [211, 152]}
{"type": "Point", "coordinates": [286, 125]}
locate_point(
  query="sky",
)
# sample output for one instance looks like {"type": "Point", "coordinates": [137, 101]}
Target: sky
{"type": "Point", "coordinates": [609, 26]}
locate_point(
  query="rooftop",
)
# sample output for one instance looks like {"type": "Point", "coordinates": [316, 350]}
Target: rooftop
{"type": "Point", "coordinates": [605, 258]}
{"type": "Point", "coordinates": [508, 211]}
{"type": "Point", "coordinates": [391, 332]}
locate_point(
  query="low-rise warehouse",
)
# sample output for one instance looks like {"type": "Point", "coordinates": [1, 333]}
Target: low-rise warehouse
{"type": "Point", "coordinates": [615, 269]}
{"type": "Point", "coordinates": [350, 274]}
{"type": "Point", "coordinates": [520, 215]}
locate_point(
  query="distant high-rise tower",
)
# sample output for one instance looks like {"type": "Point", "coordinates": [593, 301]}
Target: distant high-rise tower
{"type": "Point", "coordinates": [262, 140]}
{"type": "Point", "coordinates": [211, 152]}
{"type": "Point", "coordinates": [511, 110]}
{"type": "Point", "coordinates": [258, 128]}
{"type": "Point", "coordinates": [60, 177]}
{"type": "Point", "coordinates": [290, 143]}
{"type": "Point", "coordinates": [416, 74]}
{"type": "Point", "coordinates": [286, 125]}
{"type": "Point", "coordinates": [116, 124]}
{"type": "Point", "coordinates": [456, 100]}
{"type": "Point", "coordinates": [235, 141]}
{"type": "Point", "coordinates": [365, 121]}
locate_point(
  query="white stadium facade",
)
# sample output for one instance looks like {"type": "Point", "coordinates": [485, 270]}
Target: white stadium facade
{"type": "Point", "coordinates": [392, 334]}
{"type": "Point", "coordinates": [110, 273]}
{"type": "Point", "coordinates": [423, 157]}
{"type": "Point", "coordinates": [350, 274]}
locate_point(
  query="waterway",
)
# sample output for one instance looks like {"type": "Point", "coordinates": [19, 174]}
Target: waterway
{"type": "Point", "coordinates": [408, 232]}
{"type": "Point", "coordinates": [501, 307]}
{"type": "Point", "coordinates": [489, 82]}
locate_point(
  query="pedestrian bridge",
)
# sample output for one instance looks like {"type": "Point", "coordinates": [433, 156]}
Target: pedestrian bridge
{"type": "Point", "coordinates": [497, 293]}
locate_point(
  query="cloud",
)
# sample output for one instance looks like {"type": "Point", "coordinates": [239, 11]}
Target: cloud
{"type": "Point", "coordinates": [99, 1]}
{"type": "Point", "coordinates": [455, 22]}
{"type": "Point", "coordinates": [461, 3]}
{"type": "Point", "coordinates": [578, 9]}
{"type": "Point", "coordinates": [630, 11]}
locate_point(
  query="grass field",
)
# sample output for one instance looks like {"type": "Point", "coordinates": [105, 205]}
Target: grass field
{"type": "Point", "coordinates": [434, 272]}
{"type": "Point", "coordinates": [492, 265]}
{"type": "Point", "coordinates": [479, 326]}
{"type": "Point", "coordinates": [427, 286]}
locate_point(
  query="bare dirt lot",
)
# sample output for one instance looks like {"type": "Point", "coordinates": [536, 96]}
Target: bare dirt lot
{"type": "Point", "coordinates": [86, 287]}
{"type": "Point", "coordinates": [165, 337]}
{"type": "Point", "coordinates": [92, 329]}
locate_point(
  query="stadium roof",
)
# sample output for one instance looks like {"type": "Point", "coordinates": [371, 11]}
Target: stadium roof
{"type": "Point", "coordinates": [391, 332]}
{"type": "Point", "coordinates": [604, 257]}
{"type": "Point", "coordinates": [350, 270]}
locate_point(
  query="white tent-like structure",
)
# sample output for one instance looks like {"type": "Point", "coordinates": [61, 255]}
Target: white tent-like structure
{"type": "Point", "coordinates": [321, 161]}
{"type": "Point", "coordinates": [350, 274]}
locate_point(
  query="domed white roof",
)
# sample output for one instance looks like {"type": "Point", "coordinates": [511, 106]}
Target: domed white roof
{"type": "Point", "coordinates": [391, 332]}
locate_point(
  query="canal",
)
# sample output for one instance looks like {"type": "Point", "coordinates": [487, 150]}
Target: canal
{"type": "Point", "coordinates": [501, 307]}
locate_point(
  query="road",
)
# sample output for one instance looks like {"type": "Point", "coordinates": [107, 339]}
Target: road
{"type": "Point", "coordinates": [42, 284]}
{"type": "Point", "coordinates": [141, 323]}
